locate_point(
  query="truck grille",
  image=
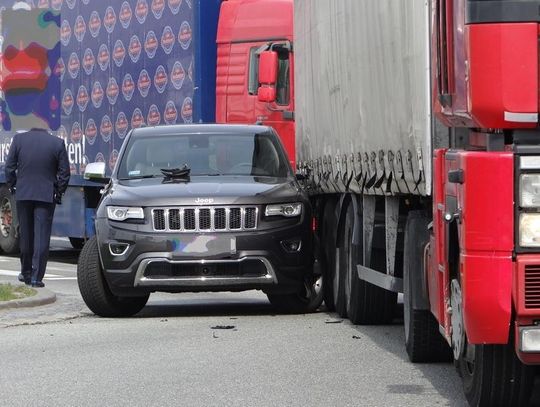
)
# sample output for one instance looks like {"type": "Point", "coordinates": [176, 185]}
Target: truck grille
{"type": "Point", "coordinates": [205, 219]}
{"type": "Point", "coordinates": [532, 286]}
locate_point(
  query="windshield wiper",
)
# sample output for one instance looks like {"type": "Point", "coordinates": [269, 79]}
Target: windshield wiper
{"type": "Point", "coordinates": [138, 177]}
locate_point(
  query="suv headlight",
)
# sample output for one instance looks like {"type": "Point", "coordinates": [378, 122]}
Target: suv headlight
{"type": "Point", "coordinates": [529, 230]}
{"type": "Point", "coordinates": [287, 209]}
{"type": "Point", "coordinates": [121, 213]}
{"type": "Point", "coordinates": [529, 187]}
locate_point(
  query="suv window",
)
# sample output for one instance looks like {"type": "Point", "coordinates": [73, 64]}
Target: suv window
{"type": "Point", "coordinates": [204, 154]}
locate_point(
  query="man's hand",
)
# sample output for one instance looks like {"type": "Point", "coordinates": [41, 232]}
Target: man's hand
{"type": "Point", "coordinates": [57, 198]}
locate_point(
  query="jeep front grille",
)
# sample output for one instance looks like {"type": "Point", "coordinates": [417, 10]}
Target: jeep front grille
{"type": "Point", "coordinates": [205, 219]}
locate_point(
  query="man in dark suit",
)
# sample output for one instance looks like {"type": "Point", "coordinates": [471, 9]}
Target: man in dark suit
{"type": "Point", "coordinates": [37, 170]}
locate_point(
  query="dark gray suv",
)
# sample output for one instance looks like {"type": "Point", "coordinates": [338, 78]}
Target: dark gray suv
{"type": "Point", "coordinates": [199, 208]}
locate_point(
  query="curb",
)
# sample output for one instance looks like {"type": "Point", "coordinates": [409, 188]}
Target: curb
{"type": "Point", "coordinates": [43, 297]}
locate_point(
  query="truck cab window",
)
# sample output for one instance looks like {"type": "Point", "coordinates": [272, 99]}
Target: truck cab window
{"type": "Point", "coordinates": [253, 78]}
{"type": "Point", "coordinates": [283, 82]}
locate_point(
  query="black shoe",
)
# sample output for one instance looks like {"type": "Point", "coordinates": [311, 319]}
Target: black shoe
{"type": "Point", "coordinates": [37, 284]}
{"type": "Point", "coordinates": [23, 279]}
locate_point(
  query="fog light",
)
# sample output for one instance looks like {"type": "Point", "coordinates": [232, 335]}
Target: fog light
{"type": "Point", "coordinates": [292, 246]}
{"type": "Point", "coordinates": [118, 249]}
{"type": "Point", "coordinates": [530, 339]}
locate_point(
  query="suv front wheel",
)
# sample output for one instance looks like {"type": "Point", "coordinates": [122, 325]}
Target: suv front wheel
{"type": "Point", "coordinates": [95, 291]}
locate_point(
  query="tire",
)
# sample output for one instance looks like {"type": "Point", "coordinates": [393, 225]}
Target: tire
{"type": "Point", "coordinates": [338, 283]}
{"type": "Point", "coordinates": [328, 253]}
{"type": "Point", "coordinates": [77, 242]}
{"type": "Point", "coordinates": [365, 303]}
{"type": "Point", "coordinates": [423, 341]}
{"type": "Point", "coordinates": [307, 300]}
{"type": "Point", "coordinates": [95, 291]}
{"type": "Point", "coordinates": [496, 377]}
{"type": "Point", "coordinates": [9, 237]}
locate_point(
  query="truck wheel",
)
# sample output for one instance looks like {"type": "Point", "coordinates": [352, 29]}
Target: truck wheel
{"type": "Point", "coordinates": [328, 254]}
{"type": "Point", "coordinates": [94, 290]}
{"type": "Point", "coordinates": [307, 300]}
{"type": "Point", "coordinates": [9, 236]}
{"type": "Point", "coordinates": [339, 282]}
{"type": "Point", "coordinates": [423, 341]}
{"type": "Point", "coordinates": [77, 242]}
{"type": "Point", "coordinates": [365, 303]}
{"type": "Point", "coordinates": [493, 375]}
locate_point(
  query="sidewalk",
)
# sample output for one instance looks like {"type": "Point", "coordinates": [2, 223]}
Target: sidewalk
{"type": "Point", "coordinates": [46, 306]}
{"type": "Point", "coordinates": [43, 297]}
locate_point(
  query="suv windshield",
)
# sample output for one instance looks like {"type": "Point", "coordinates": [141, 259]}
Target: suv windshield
{"type": "Point", "coordinates": [204, 154]}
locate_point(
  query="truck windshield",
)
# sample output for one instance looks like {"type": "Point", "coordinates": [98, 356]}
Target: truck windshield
{"type": "Point", "coordinates": [204, 154]}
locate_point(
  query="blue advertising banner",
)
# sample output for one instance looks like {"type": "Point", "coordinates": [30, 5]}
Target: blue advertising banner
{"type": "Point", "coordinates": [127, 64]}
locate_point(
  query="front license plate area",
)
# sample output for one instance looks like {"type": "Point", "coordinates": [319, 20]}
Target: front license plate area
{"type": "Point", "coordinates": [202, 246]}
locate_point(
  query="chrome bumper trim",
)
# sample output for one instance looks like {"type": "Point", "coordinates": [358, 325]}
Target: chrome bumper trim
{"type": "Point", "coordinates": [141, 280]}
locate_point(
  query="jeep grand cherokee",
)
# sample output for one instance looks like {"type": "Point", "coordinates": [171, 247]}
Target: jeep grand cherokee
{"type": "Point", "coordinates": [199, 208]}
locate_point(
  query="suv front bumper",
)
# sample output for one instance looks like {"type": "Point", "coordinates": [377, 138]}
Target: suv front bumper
{"type": "Point", "coordinates": [203, 261]}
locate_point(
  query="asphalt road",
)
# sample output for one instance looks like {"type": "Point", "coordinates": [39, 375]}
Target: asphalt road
{"type": "Point", "coordinates": [176, 352]}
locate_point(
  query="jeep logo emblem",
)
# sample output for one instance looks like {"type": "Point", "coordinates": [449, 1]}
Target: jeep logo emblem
{"type": "Point", "coordinates": [204, 201]}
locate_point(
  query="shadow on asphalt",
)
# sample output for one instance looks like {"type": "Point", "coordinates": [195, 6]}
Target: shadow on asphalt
{"type": "Point", "coordinates": [206, 309]}
{"type": "Point", "coordinates": [69, 256]}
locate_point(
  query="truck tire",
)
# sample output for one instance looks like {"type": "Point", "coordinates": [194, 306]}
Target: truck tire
{"type": "Point", "coordinates": [365, 303]}
{"type": "Point", "coordinates": [328, 253]}
{"type": "Point", "coordinates": [496, 377]}
{"type": "Point", "coordinates": [339, 282]}
{"type": "Point", "coordinates": [423, 341]}
{"type": "Point", "coordinates": [9, 236]}
{"type": "Point", "coordinates": [308, 300]}
{"type": "Point", "coordinates": [95, 291]}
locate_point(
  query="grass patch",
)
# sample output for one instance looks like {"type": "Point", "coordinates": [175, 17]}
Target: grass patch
{"type": "Point", "coordinates": [15, 292]}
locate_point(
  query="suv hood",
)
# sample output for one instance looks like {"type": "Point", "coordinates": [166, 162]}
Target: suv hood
{"type": "Point", "coordinates": [204, 190]}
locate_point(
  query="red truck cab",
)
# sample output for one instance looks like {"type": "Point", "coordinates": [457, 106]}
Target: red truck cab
{"type": "Point", "coordinates": [247, 28]}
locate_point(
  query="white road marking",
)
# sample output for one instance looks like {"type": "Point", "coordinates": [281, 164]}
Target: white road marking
{"type": "Point", "coordinates": [12, 273]}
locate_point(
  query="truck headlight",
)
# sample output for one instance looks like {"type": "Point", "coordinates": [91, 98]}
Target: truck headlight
{"type": "Point", "coordinates": [121, 213]}
{"type": "Point", "coordinates": [529, 188]}
{"type": "Point", "coordinates": [287, 209]}
{"type": "Point", "coordinates": [529, 230]}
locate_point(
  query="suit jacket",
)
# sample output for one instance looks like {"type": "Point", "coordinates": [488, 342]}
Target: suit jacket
{"type": "Point", "coordinates": [37, 166]}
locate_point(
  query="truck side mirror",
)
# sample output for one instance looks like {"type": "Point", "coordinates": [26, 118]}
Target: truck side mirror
{"type": "Point", "coordinates": [96, 172]}
{"type": "Point", "coordinates": [268, 69]}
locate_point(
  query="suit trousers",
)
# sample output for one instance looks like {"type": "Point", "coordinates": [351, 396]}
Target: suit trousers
{"type": "Point", "coordinates": [35, 223]}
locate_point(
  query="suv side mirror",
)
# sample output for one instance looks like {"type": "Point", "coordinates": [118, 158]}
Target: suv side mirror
{"type": "Point", "coordinates": [95, 172]}
{"type": "Point", "coordinates": [268, 69]}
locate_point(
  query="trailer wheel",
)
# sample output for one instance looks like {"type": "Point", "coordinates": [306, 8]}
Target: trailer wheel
{"type": "Point", "coordinates": [492, 375]}
{"type": "Point", "coordinates": [307, 300]}
{"type": "Point", "coordinates": [423, 341]}
{"type": "Point", "coordinates": [95, 291]}
{"type": "Point", "coordinates": [328, 253]}
{"type": "Point", "coordinates": [339, 282]}
{"type": "Point", "coordinates": [365, 303]}
{"type": "Point", "coordinates": [9, 236]}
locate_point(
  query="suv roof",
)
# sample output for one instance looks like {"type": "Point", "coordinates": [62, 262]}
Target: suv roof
{"type": "Point", "coordinates": [201, 129]}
